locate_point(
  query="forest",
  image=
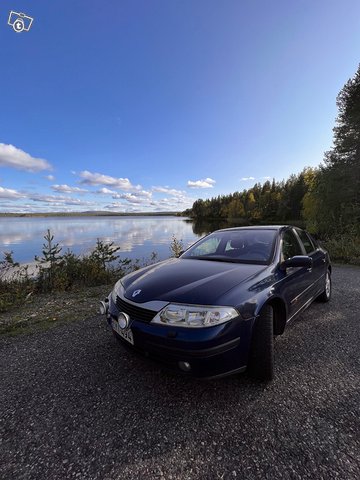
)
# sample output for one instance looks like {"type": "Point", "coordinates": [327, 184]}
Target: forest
{"type": "Point", "coordinates": [325, 200]}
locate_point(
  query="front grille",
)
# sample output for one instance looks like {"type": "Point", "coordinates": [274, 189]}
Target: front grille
{"type": "Point", "coordinates": [135, 313]}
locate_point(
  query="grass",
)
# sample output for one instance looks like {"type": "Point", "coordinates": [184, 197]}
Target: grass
{"type": "Point", "coordinates": [65, 286]}
{"type": "Point", "coordinates": [47, 310]}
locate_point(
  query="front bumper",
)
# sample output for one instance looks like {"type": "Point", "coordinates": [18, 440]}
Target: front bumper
{"type": "Point", "coordinates": [210, 352]}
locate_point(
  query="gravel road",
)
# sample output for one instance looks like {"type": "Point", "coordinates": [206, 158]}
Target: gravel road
{"type": "Point", "coordinates": [76, 405]}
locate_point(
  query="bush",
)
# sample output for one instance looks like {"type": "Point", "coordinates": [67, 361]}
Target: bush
{"type": "Point", "coordinates": [62, 272]}
{"type": "Point", "coordinates": [176, 247]}
{"type": "Point", "coordinates": [344, 248]}
{"type": "Point", "coordinates": [100, 267]}
{"type": "Point", "coordinates": [15, 283]}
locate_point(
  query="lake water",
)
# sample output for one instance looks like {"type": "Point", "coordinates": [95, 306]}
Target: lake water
{"type": "Point", "coordinates": [136, 236]}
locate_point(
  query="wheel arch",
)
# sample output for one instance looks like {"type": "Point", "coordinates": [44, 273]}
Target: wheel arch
{"type": "Point", "coordinates": [280, 314]}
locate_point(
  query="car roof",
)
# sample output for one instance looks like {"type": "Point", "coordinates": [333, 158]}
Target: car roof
{"type": "Point", "coordinates": [257, 227]}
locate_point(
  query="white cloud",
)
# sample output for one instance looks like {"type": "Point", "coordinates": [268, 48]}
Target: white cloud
{"type": "Point", "coordinates": [168, 191]}
{"type": "Point", "coordinates": [266, 178]}
{"type": "Point", "coordinates": [206, 183]}
{"type": "Point", "coordinates": [177, 200]}
{"type": "Point", "coordinates": [51, 178]}
{"type": "Point", "coordinates": [138, 196]}
{"type": "Point", "coordinates": [59, 200]}
{"type": "Point", "coordinates": [245, 179]}
{"type": "Point", "coordinates": [116, 206]}
{"type": "Point", "coordinates": [105, 191]}
{"type": "Point", "coordinates": [134, 203]}
{"type": "Point", "coordinates": [173, 203]}
{"type": "Point", "coordinates": [89, 178]}
{"type": "Point", "coordinates": [67, 198]}
{"type": "Point", "coordinates": [8, 193]}
{"type": "Point", "coordinates": [15, 207]}
{"type": "Point", "coordinates": [67, 189]}
{"type": "Point", "coordinates": [11, 156]}
{"type": "Point", "coordinates": [143, 193]}
{"type": "Point", "coordinates": [129, 197]}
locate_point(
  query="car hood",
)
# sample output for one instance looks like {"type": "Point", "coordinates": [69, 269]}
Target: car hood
{"type": "Point", "coordinates": [187, 281]}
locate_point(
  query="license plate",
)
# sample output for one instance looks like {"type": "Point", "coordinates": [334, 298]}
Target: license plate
{"type": "Point", "coordinates": [125, 334]}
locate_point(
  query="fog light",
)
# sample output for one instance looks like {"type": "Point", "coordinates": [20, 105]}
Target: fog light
{"type": "Point", "coordinates": [123, 320]}
{"type": "Point", "coordinates": [184, 366]}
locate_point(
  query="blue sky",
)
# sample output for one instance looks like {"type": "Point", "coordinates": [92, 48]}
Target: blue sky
{"type": "Point", "coordinates": [147, 105]}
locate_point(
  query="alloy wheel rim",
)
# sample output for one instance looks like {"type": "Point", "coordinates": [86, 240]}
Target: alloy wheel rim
{"type": "Point", "coordinates": [327, 285]}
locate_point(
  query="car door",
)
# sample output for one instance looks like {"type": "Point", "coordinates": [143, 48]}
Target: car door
{"type": "Point", "coordinates": [319, 261]}
{"type": "Point", "coordinates": [297, 280]}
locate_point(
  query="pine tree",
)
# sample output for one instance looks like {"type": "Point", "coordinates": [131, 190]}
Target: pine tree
{"type": "Point", "coordinates": [338, 186]}
{"type": "Point", "coordinates": [48, 262]}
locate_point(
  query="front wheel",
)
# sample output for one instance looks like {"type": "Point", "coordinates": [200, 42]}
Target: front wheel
{"type": "Point", "coordinates": [326, 294]}
{"type": "Point", "coordinates": [261, 357]}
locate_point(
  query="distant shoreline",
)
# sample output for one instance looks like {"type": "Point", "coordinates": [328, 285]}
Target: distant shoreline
{"type": "Point", "coordinates": [92, 214]}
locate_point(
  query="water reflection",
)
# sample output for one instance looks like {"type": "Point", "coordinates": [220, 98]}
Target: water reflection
{"type": "Point", "coordinates": [137, 237]}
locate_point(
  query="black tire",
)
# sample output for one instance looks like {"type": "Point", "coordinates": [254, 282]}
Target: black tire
{"type": "Point", "coordinates": [261, 357]}
{"type": "Point", "coordinates": [326, 294]}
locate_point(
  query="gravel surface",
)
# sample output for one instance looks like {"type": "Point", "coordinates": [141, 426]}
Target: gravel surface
{"type": "Point", "coordinates": [75, 404]}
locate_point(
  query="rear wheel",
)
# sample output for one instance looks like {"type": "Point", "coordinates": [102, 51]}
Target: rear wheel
{"type": "Point", "coordinates": [261, 358]}
{"type": "Point", "coordinates": [326, 295]}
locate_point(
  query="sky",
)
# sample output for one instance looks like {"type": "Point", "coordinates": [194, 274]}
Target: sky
{"type": "Point", "coordinates": [147, 105]}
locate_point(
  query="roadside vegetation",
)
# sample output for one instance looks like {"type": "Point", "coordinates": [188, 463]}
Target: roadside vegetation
{"type": "Point", "coordinates": [59, 271]}
{"type": "Point", "coordinates": [325, 200]}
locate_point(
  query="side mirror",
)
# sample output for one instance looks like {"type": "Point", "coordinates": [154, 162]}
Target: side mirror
{"type": "Point", "coordinates": [297, 261]}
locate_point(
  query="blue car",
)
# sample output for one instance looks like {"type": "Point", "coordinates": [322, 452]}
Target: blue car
{"type": "Point", "coordinates": [215, 309]}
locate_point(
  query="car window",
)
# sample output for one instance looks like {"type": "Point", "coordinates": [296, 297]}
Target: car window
{"type": "Point", "coordinates": [313, 241]}
{"type": "Point", "coordinates": [207, 247]}
{"type": "Point", "coordinates": [290, 245]}
{"type": "Point", "coordinates": [232, 245]}
{"type": "Point", "coordinates": [306, 241]}
{"type": "Point", "coordinates": [248, 246]}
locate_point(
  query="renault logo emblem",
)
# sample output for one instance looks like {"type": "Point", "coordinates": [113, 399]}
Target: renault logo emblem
{"type": "Point", "coordinates": [136, 292]}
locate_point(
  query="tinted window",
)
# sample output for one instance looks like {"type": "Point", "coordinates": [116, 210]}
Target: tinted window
{"type": "Point", "coordinates": [306, 241]}
{"type": "Point", "coordinates": [247, 246]}
{"type": "Point", "coordinates": [313, 241]}
{"type": "Point", "coordinates": [290, 245]}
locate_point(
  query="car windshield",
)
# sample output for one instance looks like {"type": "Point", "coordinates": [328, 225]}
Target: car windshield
{"type": "Point", "coordinates": [236, 246]}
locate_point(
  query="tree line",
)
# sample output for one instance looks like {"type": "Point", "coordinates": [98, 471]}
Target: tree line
{"type": "Point", "coordinates": [326, 199]}
{"type": "Point", "coordinates": [267, 202]}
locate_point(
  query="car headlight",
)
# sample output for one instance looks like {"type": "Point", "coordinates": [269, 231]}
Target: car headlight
{"type": "Point", "coordinates": [195, 316]}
